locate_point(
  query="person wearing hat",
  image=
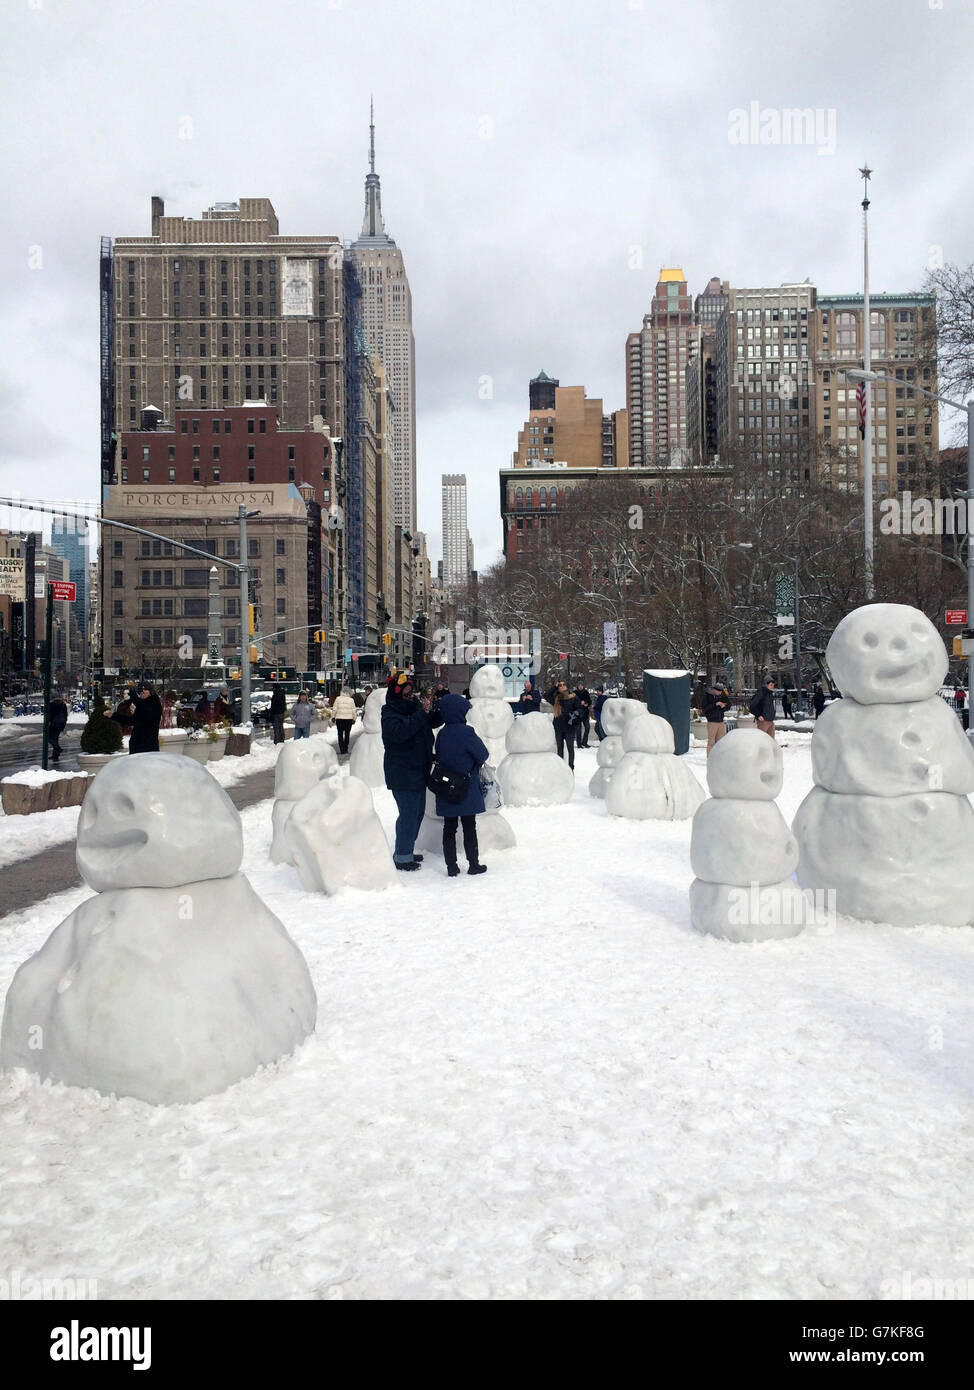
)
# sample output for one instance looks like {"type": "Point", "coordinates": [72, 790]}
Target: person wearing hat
{"type": "Point", "coordinates": [145, 718]}
{"type": "Point", "coordinates": [407, 738]}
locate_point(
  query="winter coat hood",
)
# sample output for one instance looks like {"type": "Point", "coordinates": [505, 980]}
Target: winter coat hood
{"type": "Point", "coordinates": [454, 709]}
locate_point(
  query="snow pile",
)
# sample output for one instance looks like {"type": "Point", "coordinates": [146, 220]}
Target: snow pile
{"type": "Point", "coordinates": [541, 1083]}
{"type": "Point", "coordinates": [37, 777]}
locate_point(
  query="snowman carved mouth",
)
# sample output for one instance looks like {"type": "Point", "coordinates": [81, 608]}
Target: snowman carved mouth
{"type": "Point", "coordinates": [896, 673]}
{"type": "Point", "coordinates": [119, 840]}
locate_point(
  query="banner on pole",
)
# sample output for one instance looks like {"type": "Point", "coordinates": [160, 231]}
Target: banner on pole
{"type": "Point", "coordinates": [784, 600]}
{"type": "Point", "coordinates": [610, 634]}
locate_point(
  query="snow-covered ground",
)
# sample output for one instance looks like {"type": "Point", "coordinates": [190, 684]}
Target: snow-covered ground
{"type": "Point", "coordinates": [539, 1083]}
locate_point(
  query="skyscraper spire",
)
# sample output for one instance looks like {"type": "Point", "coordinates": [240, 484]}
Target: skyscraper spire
{"type": "Point", "coordinates": [372, 225]}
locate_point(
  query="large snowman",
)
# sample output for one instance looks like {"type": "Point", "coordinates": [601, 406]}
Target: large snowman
{"type": "Point", "coordinates": [532, 774]}
{"type": "Point", "coordinates": [615, 714]}
{"type": "Point", "coordinates": [888, 825]}
{"type": "Point", "coordinates": [651, 782]}
{"type": "Point", "coordinates": [301, 765]}
{"type": "Point", "coordinates": [741, 849]}
{"type": "Point", "coordinates": [365, 759]}
{"type": "Point", "coordinates": [490, 715]}
{"type": "Point", "coordinates": [175, 980]}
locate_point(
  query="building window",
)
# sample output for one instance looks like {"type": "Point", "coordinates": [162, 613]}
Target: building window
{"type": "Point", "coordinates": [290, 451]}
{"type": "Point", "coordinates": [263, 427]}
{"type": "Point", "coordinates": [196, 426]}
{"type": "Point", "coordinates": [216, 475]}
{"type": "Point", "coordinates": [290, 475]}
{"type": "Point", "coordinates": [117, 608]}
{"type": "Point", "coordinates": [117, 548]}
{"type": "Point", "coordinates": [196, 475]}
{"type": "Point", "coordinates": [251, 475]}
{"type": "Point", "coordinates": [145, 475]}
{"type": "Point", "coordinates": [250, 426]}
{"type": "Point", "coordinates": [280, 548]}
{"type": "Point", "coordinates": [253, 547]}
{"type": "Point", "coordinates": [281, 576]}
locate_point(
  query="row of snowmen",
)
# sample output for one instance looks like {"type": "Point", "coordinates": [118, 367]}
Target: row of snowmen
{"type": "Point", "coordinates": [176, 980]}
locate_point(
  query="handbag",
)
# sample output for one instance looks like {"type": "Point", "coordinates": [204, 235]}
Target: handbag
{"type": "Point", "coordinates": [446, 783]}
{"type": "Point", "coordinates": [488, 786]}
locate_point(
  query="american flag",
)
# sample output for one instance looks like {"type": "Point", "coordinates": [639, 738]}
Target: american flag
{"type": "Point", "coordinates": [861, 400]}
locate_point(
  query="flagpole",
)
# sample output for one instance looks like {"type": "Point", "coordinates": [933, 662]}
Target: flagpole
{"type": "Point", "coordinates": [867, 438]}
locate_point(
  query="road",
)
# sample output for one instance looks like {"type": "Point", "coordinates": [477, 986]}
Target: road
{"type": "Point", "coordinates": [20, 746]}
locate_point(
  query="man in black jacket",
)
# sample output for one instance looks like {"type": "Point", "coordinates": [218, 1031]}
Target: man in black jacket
{"type": "Point", "coordinates": [714, 707]}
{"type": "Point", "coordinates": [58, 718]}
{"type": "Point", "coordinates": [529, 701]}
{"type": "Point", "coordinates": [407, 737]}
{"type": "Point", "coordinates": [584, 704]}
{"type": "Point", "coordinates": [762, 707]}
{"type": "Point", "coordinates": [277, 711]}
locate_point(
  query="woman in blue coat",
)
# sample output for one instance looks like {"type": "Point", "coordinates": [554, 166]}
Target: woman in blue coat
{"type": "Point", "coordinates": [459, 749]}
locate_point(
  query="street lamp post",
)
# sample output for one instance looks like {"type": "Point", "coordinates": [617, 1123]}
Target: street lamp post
{"type": "Point", "coordinates": [968, 409]}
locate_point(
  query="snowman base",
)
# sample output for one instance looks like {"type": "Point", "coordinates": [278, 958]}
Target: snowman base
{"type": "Point", "coordinates": [905, 860]}
{"type": "Point", "coordinates": [165, 994]}
{"type": "Point", "coordinates": [653, 786]}
{"type": "Point", "coordinates": [336, 840]}
{"type": "Point", "coordinates": [755, 912]}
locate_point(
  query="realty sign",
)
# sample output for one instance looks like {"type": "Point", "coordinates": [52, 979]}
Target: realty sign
{"type": "Point", "coordinates": [12, 579]}
{"type": "Point", "coordinates": [63, 590]}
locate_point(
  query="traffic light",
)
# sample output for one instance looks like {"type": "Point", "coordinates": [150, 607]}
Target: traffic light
{"type": "Point", "coordinates": [387, 639]}
{"type": "Point", "coordinates": [321, 635]}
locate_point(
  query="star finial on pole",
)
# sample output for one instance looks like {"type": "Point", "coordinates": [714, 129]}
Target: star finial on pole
{"type": "Point", "coordinates": [866, 173]}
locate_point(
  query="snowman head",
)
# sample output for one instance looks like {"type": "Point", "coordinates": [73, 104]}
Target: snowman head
{"type": "Point", "coordinates": [887, 653]}
{"type": "Point", "coordinates": [616, 711]}
{"type": "Point", "coordinates": [487, 683]}
{"type": "Point", "coordinates": [372, 714]}
{"type": "Point", "coordinates": [746, 765]}
{"type": "Point", "coordinates": [301, 765]}
{"type": "Point", "coordinates": [156, 820]}
{"type": "Point", "coordinates": [531, 733]}
{"type": "Point", "coordinates": [647, 733]}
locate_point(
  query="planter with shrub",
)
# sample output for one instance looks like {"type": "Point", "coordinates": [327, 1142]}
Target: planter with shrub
{"type": "Point", "coordinates": [101, 738]}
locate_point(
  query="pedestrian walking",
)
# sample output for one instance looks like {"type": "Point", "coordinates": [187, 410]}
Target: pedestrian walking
{"type": "Point", "coordinates": [600, 699]}
{"type": "Point", "coordinates": [57, 721]}
{"type": "Point", "coordinates": [786, 705]}
{"type": "Point", "coordinates": [762, 707]}
{"type": "Point", "coordinates": [585, 705]}
{"type": "Point", "coordinates": [818, 701]}
{"type": "Point", "coordinates": [714, 709]}
{"type": "Point", "coordinates": [302, 713]}
{"type": "Point", "coordinates": [145, 718]}
{"type": "Point", "coordinates": [407, 738]}
{"type": "Point", "coordinates": [343, 712]}
{"type": "Point", "coordinates": [277, 711]}
{"type": "Point", "coordinates": [459, 750]}
{"type": "Point", "coordinates": [567, 714]}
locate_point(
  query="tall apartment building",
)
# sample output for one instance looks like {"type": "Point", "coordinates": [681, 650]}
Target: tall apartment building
{"type": "Point", "coordinates": [905, 427]}
{"type": "Point", "coordinates": [657, 358]}
{"type": "Point", "coordinates": [765, 378]}
{"type": "Point", "coordinates": [388, 326]}
{"type": "Point", "coordinates": [456, 538]}
{"type": "Point", "coordinates": [212, 311]}
{"type": "Point", "coordinates": [69, 539]}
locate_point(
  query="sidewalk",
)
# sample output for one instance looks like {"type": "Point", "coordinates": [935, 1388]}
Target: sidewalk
{"type": "Point", "coordinates": [54, 870]}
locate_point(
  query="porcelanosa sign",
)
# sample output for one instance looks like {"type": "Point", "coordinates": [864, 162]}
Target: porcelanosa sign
{"type": "Point", "coordinates": [208, 501]}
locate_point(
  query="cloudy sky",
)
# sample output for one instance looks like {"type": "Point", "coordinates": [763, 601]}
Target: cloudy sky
{"type": "Point", "coordinates": [540, 160]}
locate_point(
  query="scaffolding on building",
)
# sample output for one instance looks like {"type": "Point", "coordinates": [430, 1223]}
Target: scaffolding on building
{"type": "Point", "coordinates": [355, 365]}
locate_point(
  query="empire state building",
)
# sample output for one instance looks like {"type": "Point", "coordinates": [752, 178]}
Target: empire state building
{"type": "Point", "coordinates": [388, 321]}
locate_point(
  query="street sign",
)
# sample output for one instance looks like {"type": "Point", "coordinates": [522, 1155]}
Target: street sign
{"type": "Point", "coordinates": [348, 653]}
{"type": "Point", "coordinates": [63, 590]}
{"type": "Point", "coordinates": [562, 656]}
{"type": "Point", "coordinates": [956, 617]}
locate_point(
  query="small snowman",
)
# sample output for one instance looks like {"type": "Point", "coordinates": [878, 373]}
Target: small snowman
{"type": "Point", "coordinates": [175, 980]}
{"type": "Point", "coordinates": [365, 759]}
{"type": "Point", "coordinates": [651, 782]}
{"type": "Point", "coordinates": [615, 713]}
{"type": "Point", "coordinates": [300, 766]}
{"type": "Point", "coordinates": [741, 849]}
{"type": "Point", "coordinates": [888, 827]}
{"type": "Point", "coordinates": [336, 839]}
{"type": "Point", "coordinates": [532, 774]}
{"type": "Point", "coordinates": [490, 715]}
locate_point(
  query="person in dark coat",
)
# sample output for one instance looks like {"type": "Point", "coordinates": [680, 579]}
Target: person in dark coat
{"type": "Point", "coordinates": [221, 706]}
{"type": "Point", "coordinates": [567, 713]}
{"type": "Point", "coordinates": [818, 701]}
{"type": "Point", "coordinates": [459, 749]}
{"type": "Point", "coordinates": [277, 711]}
{"type": "Point", "coordinates": [600, 699]}
{"type": "Point", "coordinates": [146, 717]}
{"type": "Point", "coordinates": [786, 705]}
{"type": "Point", "coordinates": [585, 705]}
{"type": "Point", "coordinates": [762, 707]}
{"type": "Point", "coordinates": [407, 737]}
{"type": "Point", "coordinates": [204, 708]}
{"type": "Point", "coordinates": [713, 711]}
{"type": "Point", "coordinates": [57, 721]}
{"type": "Point", "coordinates": [123, 712]}
{"type": "Point", "coordinates": [529, 701]}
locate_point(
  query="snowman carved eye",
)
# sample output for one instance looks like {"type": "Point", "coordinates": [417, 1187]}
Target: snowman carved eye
{"type": "Point", "coordinates": [920, 631]}
{"type": "Point", "coordinates": [869, 639]}
{"type": "Point", "coordinates": [123, 805]}
{"type": "Point", "coordinates": [898, 644]}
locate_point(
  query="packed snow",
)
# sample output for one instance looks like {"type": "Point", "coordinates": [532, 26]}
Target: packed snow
{"type": "Point", "coordinates": [539, 1083]}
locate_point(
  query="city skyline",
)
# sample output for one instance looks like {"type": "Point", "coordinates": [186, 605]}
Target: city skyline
{"type": "Point", "coordinates": [513, 261]}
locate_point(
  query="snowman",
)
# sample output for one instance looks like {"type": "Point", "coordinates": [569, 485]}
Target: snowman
{"type": "Point", "coordinates": [741, 849]}
{"type": "Point", "coordinates": [336, 839]}
{"type": "Point", "coordinates": [365, 759]}
{"type": "Point", "coordinates": [615, 713]}
{"type": "Point", "coordinates": [888, 826]}
{"type": "Point", "coordinates": [175, 980]}
{"type": "Point", "coordinates": [532, 774]}
{"type": "Point", "coordinates": [490, 715]}
{"type": "Point", "coordinates": [651, 782]}
{"type": "Point", "coordinates": [300, 766]}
